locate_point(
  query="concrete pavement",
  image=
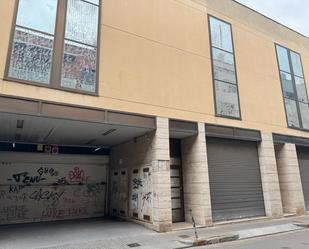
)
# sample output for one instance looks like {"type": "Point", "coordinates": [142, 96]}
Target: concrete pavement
{"type": "Point", "coordinates": [108, 234]}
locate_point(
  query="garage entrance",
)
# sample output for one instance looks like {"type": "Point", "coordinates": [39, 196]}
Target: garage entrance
{"type": "Point", "coordinates": [235, 179]}
{"type": "Point", "coordinates": [303, 160]}
{"type": "Point", "coordinates": [54, 159]}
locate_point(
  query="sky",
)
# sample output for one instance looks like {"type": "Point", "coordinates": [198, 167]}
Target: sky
{"type": "Point", "coordinates": [291, 13]}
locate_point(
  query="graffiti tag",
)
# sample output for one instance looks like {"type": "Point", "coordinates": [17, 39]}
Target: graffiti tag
{"type": "Point", "coordinates": [13, 212]}
{"type": "Point", "coordinates": [47, 195]}
{"type": "Point", "coordinates": [137, 183]}
{"type": "Point", "coordinates": [78, 175]}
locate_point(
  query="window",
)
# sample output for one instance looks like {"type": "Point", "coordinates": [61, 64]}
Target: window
{"type": "Point", "coordinates": [57, 47]}
{"type": "Point", "coordinates": [224, 70]}
{"type": "Point", "coordinates": [293, 87]}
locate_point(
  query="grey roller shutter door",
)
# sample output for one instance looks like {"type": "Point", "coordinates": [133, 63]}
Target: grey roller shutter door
{"type": "Point", "coordinates": [303, 160]}
{"type": "Point", "coordinates": [37, 187]}
{"type": "Point", "coordinates": [235, 179]}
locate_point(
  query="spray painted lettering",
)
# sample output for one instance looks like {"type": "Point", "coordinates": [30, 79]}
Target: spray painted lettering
{"type": "Point", "coordinates": [62, 181]}
{"type": "Point", "coordinates": [15, 189]}
{"type": "Point", "coordinates": [27, 179]}
{"type": "Point", "coordinates": [78, 175]}
{"type": "Point", "coordinates": [13, 212]}
{"type": "Point", "coordinates": [48, 195]}
{"type": "Point", "coordinates": [37, 193]}
{"type": "Point", "coordinates": [137, 183]}
{"type": "Point", "coordinates": [54, 213]}
{"type": "Point", "coordinates": [48, 171]}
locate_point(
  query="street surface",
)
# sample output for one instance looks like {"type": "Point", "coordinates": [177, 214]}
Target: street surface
{"type": "Point", "coordinates": [114, 234]}
{"type": "Point", "coordinates": [295, 240]}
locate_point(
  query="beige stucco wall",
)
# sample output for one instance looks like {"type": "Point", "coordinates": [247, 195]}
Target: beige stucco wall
{"type": "Point", "coordinates": [155, 59]}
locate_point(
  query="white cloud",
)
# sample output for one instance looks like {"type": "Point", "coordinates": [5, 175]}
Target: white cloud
{"type": "Point", "coordinates": [294, 14]}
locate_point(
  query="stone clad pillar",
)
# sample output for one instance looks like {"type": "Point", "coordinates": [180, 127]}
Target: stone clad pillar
{"type": "Point", "coordinates": [269, 176]}
{"type": "Point", "coordinates": [290, 179]}
{"type": "Point", "coordinates": [162, 204]}
{"type": "Point", "coordinates": [196, 179]}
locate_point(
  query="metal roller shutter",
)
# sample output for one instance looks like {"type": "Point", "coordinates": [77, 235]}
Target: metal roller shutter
{"type": "Point", "coordinates": [235, 179]}
{"type": "Point", "coordinates": [37, 187]}
{"type": "Point", "coordinates": [303, 160]}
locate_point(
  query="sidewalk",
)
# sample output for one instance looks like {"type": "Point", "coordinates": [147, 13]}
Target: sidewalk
{"type": "Point", "coordinates": [171, 240]}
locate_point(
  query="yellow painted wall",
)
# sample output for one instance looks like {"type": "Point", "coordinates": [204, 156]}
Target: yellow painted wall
{"type": "Point", "coordinates": [155, 59]}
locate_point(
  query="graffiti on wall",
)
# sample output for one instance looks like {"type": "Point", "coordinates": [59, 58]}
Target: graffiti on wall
{"type": "Point", "coordinates": [30, 193]}
{"type": "Point", "coordinates": [78, 175]}
{"type": "Point", "coordinates": [141, 192]}
{"type": "Point", "coordinates": [28, 179]}
{"type": "Point", "coordinates": [119, 192]}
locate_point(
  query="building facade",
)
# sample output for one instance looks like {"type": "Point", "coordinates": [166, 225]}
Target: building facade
{"type": "Point", "coordinates": [154, 111]}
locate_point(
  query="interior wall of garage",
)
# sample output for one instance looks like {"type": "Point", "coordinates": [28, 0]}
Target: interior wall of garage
{"type": "Point", "coordinates": [147, 194]}
{"type": "Point", "coordinates": [129, 185]}
{"type": "Point", "coordinates": [37, 187]}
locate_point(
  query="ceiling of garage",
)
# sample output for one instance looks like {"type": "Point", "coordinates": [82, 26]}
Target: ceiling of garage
{"type": "Point", "coordinates": [33, 129]}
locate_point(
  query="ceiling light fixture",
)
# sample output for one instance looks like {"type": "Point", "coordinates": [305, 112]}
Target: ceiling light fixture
{"type": "Point", "coordinates": [108, 132]}
{"type": "Point", "coordinates": [97, 149]}
{"type": "Point", "coordinates": [20, 124]}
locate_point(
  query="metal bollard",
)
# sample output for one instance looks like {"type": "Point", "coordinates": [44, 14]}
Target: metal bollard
{"type": "Point", "coordinates": [194, 225]}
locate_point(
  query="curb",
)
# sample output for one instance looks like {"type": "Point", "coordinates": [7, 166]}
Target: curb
{"type": "Point", "coordinates": [192, 242]}
{"type": "Point", "coordinates": [303, 225]}
{"type": "Point", "coordinates": [242, 234]}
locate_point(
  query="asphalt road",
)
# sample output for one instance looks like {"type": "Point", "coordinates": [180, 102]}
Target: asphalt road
{"type": "Point", "coordinates": [294, 240]}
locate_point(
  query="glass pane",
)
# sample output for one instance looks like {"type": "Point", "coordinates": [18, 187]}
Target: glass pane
{"type": "Point", "coordinates": [37, 14]}
{"type": "Point", "coordinates": [31, 56]}
{"type": "Point", "coordinates": [224, 68]}
{"type": "Point", "coordinates": [82, 22]}
{"type": "Point", "coordinates": [301, 89]}
{"type": "Point", "coordinates": [227, 99]}
{"type": "Point", "coordinates": [304, 110]}
{"type": "Point", "coordinates": [287, 85]}
{"type": "Point", "coordinates": [221, 36]}
{"type": "Point", "coordinates": [79, 67]}
{"type": "Point", "coordinates": [297, 66]}
{"type": "Point", "coordinates": [283, 59]}
{"type": "Point", "coordinates": [291, 112]}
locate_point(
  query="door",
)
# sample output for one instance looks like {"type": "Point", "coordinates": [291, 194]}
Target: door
{"type": "Point", "coordinates": [37, 187]}
{"type": "Point", "coordinates": [177, 190]}
{"type": "Point", "coordinates": [303, 160]}
{"type": "Point", "coordinates": [235, 180]}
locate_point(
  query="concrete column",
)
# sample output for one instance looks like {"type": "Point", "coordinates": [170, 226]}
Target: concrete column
{"type": "Point", "coordinates": [290, 179]}
{"type": "Point", "coordinates": [269, 175]}
{"type": "Point", "coordinates": [162, 204]}
{"type": "Point", "coordinates": [196, 179]}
